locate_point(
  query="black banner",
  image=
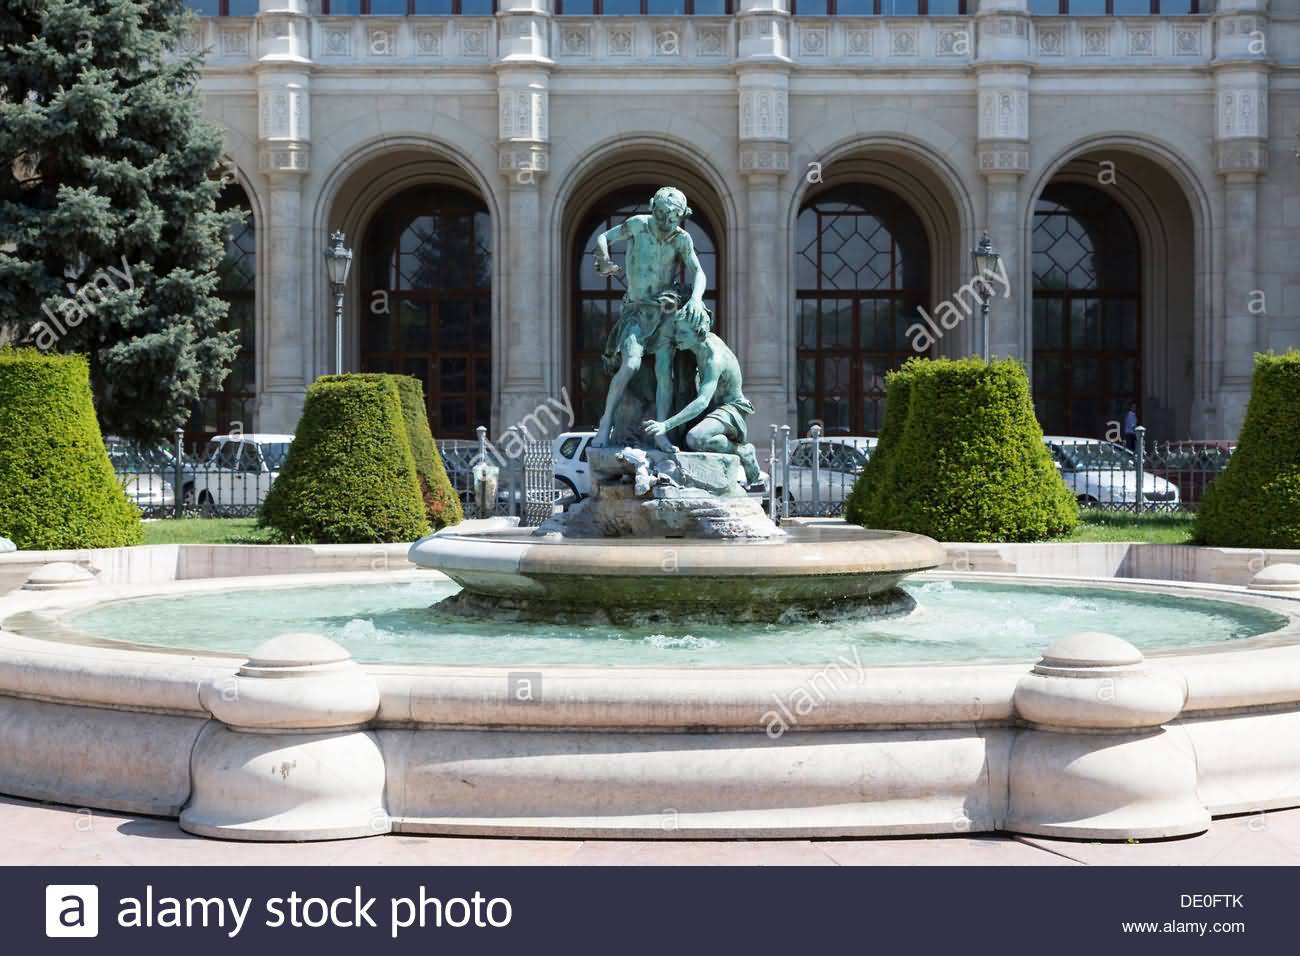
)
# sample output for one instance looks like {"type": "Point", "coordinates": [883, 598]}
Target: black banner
{"type": "Point", "coordinates": [650, 910]}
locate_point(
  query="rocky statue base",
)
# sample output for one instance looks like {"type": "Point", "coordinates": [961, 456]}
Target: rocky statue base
{"type": "Point", "coordinates": [654, 494]}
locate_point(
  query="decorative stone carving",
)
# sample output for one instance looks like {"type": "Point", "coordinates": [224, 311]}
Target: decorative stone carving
{"type": "Point", "coordinates": [903, 40]}
{"type": "Point", "coordinates": [234, 42]}
{"type": "Point", "coordinates": [191, 41]}
{"type": "Point", "coordinates": [766, 158]}
{"type": "Point", "coordinates": [763, 114]}
{"type": "Point", "coordinates": [1242, 156]}
{"type": "Point", "coordinates": [1004, 158]}
{"type": "Point", "coordinates": [284, 158]}
{"type": "Point", "coordinates": [523, 114]}
{"type": "Point", "coordinates": [338, 42]}
{"type": "Point", "coordinates": [473, 41]}
{"type": "Point", "coordinates": [576, 40]}
{"type": "Point", "coordinates": [1096, 41]}
{"type": "Point", "coordinates": [1141, 41]}
{"type": "Point", "coordinates": [813, 40]}
{"type": "Point", "coordinates": [1051, 40]}
{"type": "Point", "coordinates": [711, 41]}
{"type": "Point", "coordinates": [622, 42]}
{"type": "Point", "coordinates": [668, 41]}
{"type": "Point", "coordinates": [381, 41]}
{"type": "Point", "coordinates": [1187, 41]}
{"type": "Point", "coordinates": [953, 42]}
{"type": "Point", "coordinates": [1242, 112]}
{"type": "Point", "coordinates": [526, 163]}
{"type": "Point", "coordinates": [429, 40]}
{"type": "Point", "coordinates": [859, 42]}
{"type": "Point", "coordinates": [1004, 114]}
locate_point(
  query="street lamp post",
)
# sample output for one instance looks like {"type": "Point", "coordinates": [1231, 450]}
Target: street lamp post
{"type": "Point", "coordinates": [986, 259]}
{"type": "Point", "coordinates": [338, 260]}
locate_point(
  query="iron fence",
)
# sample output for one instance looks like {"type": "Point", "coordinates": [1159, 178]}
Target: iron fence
{"type": "Point", "coordinates": [813, 476]}
{"type": "Point", "coordinates": [230, 476]}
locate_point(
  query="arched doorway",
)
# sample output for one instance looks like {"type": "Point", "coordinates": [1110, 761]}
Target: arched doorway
{"type": "Point", "coordinates": [862, 269]}
{"type": "Point", "coordinates": [232, 406]}
{"type": "Point", "coordinates": [596, 300]}
{"type": "Point", "coordinates": [426, 302]}
{"type": "Point", "coordinates": [1087, 311]}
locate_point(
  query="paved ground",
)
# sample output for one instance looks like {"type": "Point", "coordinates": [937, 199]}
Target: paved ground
{"type": "Point", "coordinates": [33, 833]}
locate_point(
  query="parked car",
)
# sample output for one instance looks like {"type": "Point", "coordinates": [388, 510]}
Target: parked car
{"type": "Point", "coordinates": [1102, 473]}
{"type": "Point", "coordinates": [572, 473]}
{"type": "Point", "coordinates": [1191, 465]}
{"type": "Point", "coordinates": [237, 471]}
{"type": "Point", "coordinates": [146, 473]}
{"type": "Point", "coordinates": [840, 460]}
{"type": "Point", "coordinates": [569, 454]}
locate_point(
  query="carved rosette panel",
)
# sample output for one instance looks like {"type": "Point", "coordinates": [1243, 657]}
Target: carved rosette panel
{"type": "Point", "coordinates": [284, 158]}
{"type": "Point", "coordinates": [430, 40]}
{"type": "Point", "coordinates": [763, 114]}
{"type": "Point", "coordinates": [523, 163]}
{"type": "Point", "coordinates": [1242, 156]}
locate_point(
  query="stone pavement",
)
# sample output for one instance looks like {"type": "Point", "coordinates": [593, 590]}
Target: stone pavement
{"type": "Point", "coordinates": [50, 835]}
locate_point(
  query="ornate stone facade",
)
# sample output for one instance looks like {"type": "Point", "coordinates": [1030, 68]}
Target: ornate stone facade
{"type": "Point", "coordinates": [966, 119]}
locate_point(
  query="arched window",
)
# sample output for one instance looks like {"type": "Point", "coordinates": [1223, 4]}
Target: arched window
{"type": "Point", "coordinates": [426, 306]}
{"type": "Point", "coordinates": [1087, 311]}
{"type": "Point", "coordinates": [597, 300]}
{"type": "Point", "coordinates": [232, 407]}
{"type": "Point", "coordinates": [862, 268]}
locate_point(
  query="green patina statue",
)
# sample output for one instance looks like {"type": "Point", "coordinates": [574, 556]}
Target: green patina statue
{"type": "Point", "coordinates": [720, 401]}
{"type": "Point", "coordinates": [658, 250]}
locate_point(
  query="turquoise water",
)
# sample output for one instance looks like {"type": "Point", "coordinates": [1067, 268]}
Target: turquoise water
{"type": "Point", "coordinates": [953, 621]}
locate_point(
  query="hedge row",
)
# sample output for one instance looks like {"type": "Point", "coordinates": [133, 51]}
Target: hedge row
{"type": "Point", "coordinates": [1255, 503]}
{"type": "Point", "coordinates": [441, 503]}
{"type": "Point", "coordinates": [57, 486]}
{"type": "Point", "coordinates": [961, 457]}
{"type": "Point", "coordinates": [350, 474]}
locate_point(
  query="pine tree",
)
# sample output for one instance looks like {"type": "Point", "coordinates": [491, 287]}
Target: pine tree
{"type": "Point", "coordinates": [109, 234]}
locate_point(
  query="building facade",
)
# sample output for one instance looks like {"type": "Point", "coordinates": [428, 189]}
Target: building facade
{"type": "Point", "coordinates": [1134, 162]}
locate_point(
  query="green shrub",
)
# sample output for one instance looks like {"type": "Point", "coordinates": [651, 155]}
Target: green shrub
{"type": "Point", "coordinates": [57, 487]}
{"type": "Point", "coordinates": [441, 502]}
{"type": "Point", "coordinates": [968, 463]}
{"type": "Point", "coordinates": [350, 474]}
{"type": "Point", "coordinates": [1255, 503]}
{"type": "Point", "coordinates": [866, 501]}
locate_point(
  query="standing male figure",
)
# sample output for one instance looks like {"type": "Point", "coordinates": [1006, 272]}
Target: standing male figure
{"type": "Point", "coordinates": [657, 248]}
{"type": "Point", "coordinates": [720, 400]}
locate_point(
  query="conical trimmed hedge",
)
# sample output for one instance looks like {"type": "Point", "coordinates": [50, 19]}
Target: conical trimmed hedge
{"type": "Point", "coordinates": [441, 503]}
{"type": "Point", "coordinates": [57, 486]}
{"type": "Point", "coordinates": [968, 462]}
{"type": "Point", "coordinates": [349, 475]}
{"type": "Point", "coordinates": [1255, 503]}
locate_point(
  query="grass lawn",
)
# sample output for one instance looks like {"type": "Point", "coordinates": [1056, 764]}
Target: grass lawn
{"type": "Point", "coordinates": [205, 531]}
{"type": "Point", "coordinates": [1154, 528]}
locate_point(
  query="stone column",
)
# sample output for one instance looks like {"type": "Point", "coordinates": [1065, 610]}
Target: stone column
{"type": "Point", "coordinates": [529, 326]}
{"type": "Point", "coordinates": [1002, 84]}
{"type": "Point", "coordinates": [759, 324]}
{"type": "Point", "coordinates": [1241, 156]}
{"type": "Point", "coordinates": [284, 157]}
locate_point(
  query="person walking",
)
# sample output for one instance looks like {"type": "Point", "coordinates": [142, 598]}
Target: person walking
{"type": "Point", "coordinates": [1130, 426]}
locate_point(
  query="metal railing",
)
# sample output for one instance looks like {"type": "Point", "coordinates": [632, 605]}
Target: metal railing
{"type": "Point", "coordinates": [814, 476]}
{"type": "Point", "coordinates": [233, 479]}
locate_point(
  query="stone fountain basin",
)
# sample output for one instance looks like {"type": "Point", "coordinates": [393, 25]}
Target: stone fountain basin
{"type": "Point", "coordinates": [1092, 742]}
{"type": "Point", "coordinates": [810, 568]}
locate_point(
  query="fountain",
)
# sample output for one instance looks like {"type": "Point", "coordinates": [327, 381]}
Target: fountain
{"type": "Point", "coordinates": [671, 530]}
